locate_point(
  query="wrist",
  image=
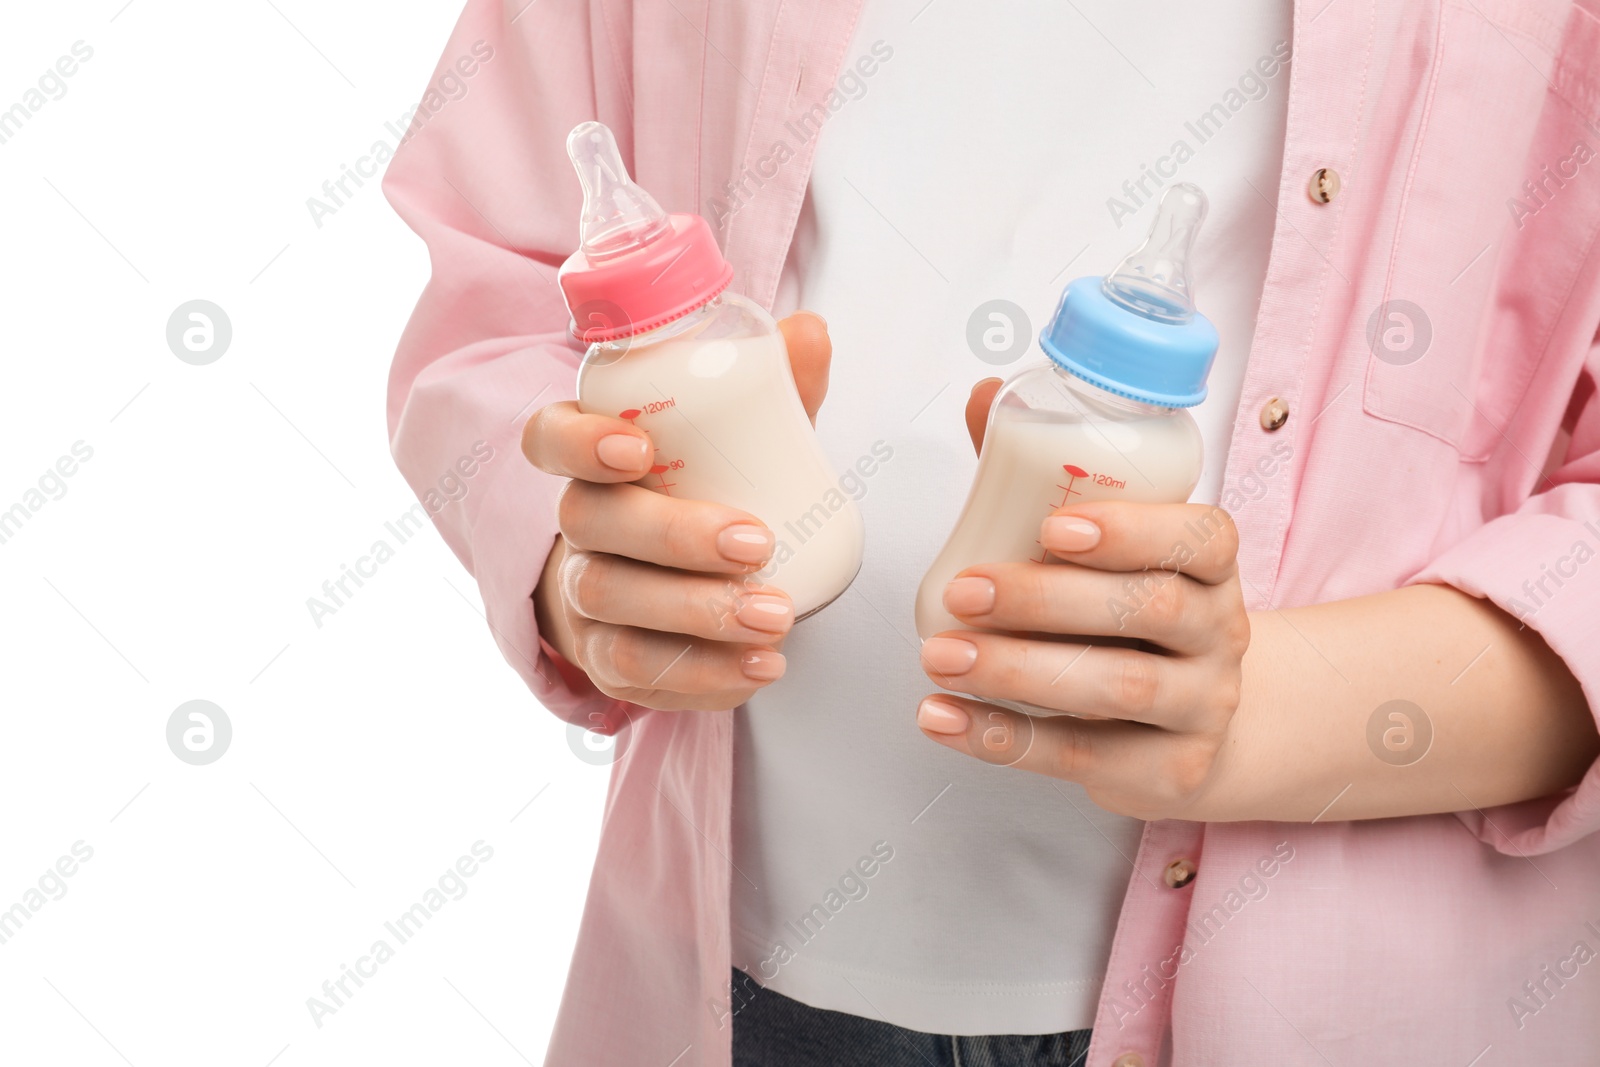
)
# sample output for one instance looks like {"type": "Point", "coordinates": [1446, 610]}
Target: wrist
{"type": "Point", "coordinates": [1243, 779]}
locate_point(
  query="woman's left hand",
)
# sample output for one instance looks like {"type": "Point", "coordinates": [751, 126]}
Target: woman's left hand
{"type": "Point", "coordinates": [1141, 722]}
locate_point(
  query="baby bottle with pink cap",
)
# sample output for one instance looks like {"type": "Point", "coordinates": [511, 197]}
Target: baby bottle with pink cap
{"type": "Point", "coordinates": [704, 372]}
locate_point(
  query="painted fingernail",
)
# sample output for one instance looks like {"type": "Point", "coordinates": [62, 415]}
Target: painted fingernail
{"type": "Point", "coordinates": [969, 596]}
{"type": "Point", "coordinates": [772, 614]}
{"type": "Point", "coordinates": [623, 451]}
{"type": "Point", "coordinates": [949, 655]}
{"type": "Point", "coordinates": [937, 717]}
{"type": "Point", "coordinates": [762, 665]}
{"type": "Point", "coordinates": [1068, 533]}
{"type": "Point", "coordinates": [745, 543]}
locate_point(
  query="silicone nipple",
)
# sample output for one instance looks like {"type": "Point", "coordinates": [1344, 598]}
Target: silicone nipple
{"type": "Point", "coordinates": [1153, 280]}
{"type": "Point", "coordinates": [618, 216]}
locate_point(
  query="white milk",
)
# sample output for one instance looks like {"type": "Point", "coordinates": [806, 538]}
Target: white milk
{"type": "Point", "coordinates": [1052, 440]}
{"type": "Point", "coordinates": [716, 394]}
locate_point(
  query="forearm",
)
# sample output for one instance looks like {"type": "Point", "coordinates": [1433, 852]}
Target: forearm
{"type": "Point", "coordinates": [1508, 722]}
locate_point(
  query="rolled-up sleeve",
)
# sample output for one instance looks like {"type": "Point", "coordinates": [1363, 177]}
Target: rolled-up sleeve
{"type": "Point", "coordinates": [1559, 526]}
{"type": "Point", "coordinates": [482, 178]}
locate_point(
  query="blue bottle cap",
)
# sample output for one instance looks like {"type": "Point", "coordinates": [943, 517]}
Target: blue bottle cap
{"type": "Point", "coordinates": [1136, 332]}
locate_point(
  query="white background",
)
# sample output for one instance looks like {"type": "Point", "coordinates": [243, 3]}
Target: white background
{"type": "Point", "coordinates": [367, 754]}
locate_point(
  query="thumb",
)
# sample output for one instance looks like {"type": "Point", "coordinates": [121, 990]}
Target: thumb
{"type": "Point", "coordinates": [978, 405]}
{"type": "Point", "coordinates": [810, 353]}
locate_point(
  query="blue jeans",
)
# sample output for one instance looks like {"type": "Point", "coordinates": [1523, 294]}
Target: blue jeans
{"type": "Point", "coordinates": [770, 1030]}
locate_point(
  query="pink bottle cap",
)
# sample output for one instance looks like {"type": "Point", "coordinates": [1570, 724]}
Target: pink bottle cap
{"type": "Point", "coordinates": [637, 267]}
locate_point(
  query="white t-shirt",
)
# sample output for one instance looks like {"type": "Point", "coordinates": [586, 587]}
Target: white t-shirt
{"type": "Point", "coordinates": [995, 151]}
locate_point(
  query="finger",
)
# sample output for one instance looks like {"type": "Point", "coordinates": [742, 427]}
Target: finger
{"type": "Point", "coordinates": [560, 439]}
{"type": "Point", "coordinates": [1126, 767]}
{"type": "Point", "coordinates": [1073, 750]}
{"type": "Point", "coordinates": [666, 700]}
{"type": "Point", "coordinates": [692, 535]}
{"type": "Point", "coordinates": [614, 589]}
{"type": "Point", "coordinates": [1075, 678]}
{"type": "Point", "coordinates": [1173, 611]}
{"type": "Point", "coordinates": [595, 635]}
{"type": "Point", "coordinates": [978, 404]}
{"type": "Point", "coordinates": [621, 657]}
{"type": "Point", "coordinates": [1199, 540]}
{"type": "Point", "coordinates": [805, 333]}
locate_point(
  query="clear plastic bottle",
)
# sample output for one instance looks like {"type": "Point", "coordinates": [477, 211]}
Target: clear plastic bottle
{"type": "Point", "coordinates": [704, 372]}
{"type": "Point", "coordinates": [1105, 418]}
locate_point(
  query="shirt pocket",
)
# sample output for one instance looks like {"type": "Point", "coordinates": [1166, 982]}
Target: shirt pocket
{"type": "Point", "coordinates": [1453, 343]}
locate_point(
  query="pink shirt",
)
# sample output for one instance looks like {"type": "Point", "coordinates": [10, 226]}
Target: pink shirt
{"type": "Point", "coordinates": [1463, 136]}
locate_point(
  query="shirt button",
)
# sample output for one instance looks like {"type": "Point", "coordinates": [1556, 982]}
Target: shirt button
{"type": "Point", "coordinates": [1274, 413]}
{"type": "Point", "coordinates": [1324, 185]}
{"type": "Point", "coordinates": [1179, 873]}
{"type": "Point", "coordinates": [1129, 1059]}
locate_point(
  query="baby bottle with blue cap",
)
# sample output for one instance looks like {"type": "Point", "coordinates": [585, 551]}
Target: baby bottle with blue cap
{"type": "Point", "coordinates": [1104, 418]}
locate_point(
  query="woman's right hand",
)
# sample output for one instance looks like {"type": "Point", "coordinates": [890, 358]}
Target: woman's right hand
{"type": "Point", "coordinates": [652, 596]}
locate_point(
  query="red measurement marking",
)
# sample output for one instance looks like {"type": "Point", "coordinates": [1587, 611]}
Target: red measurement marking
{"type": "Point", "coordinates": [660, 471]}
{"type": "Point", "coordinates": [630, 414]}
{"type": "Point", "coordinates": [1073, 474]}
